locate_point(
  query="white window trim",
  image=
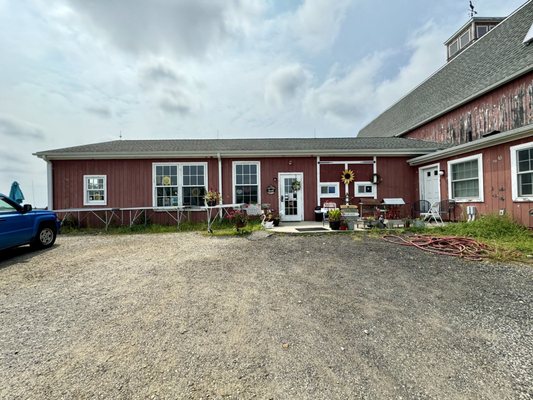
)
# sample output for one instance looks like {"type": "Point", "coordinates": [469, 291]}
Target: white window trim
{"type": "Point", "coordinates": [364, 183]}
{"type": "Point", "coordinates": [180, 166]}
{"type": "Point", "coordinates": [329, 195]}
{"type": "Point", "coordinates": [468, 41]}
{"type": "Point", "coordinates": [514, 171]}
{"type": "Point", "coordinates": [480, 198]}
{"type": "Point", "coordinates": [86, 201]}
{"type": "Point", "coordinates": [234, 178]}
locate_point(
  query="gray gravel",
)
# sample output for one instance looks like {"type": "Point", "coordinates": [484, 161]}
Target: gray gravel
{"type": "Point", "coordinates": [285, 317]}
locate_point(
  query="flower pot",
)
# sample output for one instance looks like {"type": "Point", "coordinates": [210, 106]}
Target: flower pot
{"type": "Point", "coordinates": [268, 224]}
{"type": "Point", "coordinates": [335, 225]}
{"type": "Point", "coordinates": [276, 221]}
{"type": "Point", "coordinates": [212, 203]}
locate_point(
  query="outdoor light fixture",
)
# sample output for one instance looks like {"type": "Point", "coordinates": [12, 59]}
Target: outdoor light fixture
{"type": "Point", "coordinates": [376, 179]}
{"type": "Point", "coordinates": [441, 172]}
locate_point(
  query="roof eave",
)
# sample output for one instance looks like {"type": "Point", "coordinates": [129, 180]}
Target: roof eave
{"type": "Point", "coordinates": [515, 134]}
{"type": "Point", "coordinates": [213, 154]}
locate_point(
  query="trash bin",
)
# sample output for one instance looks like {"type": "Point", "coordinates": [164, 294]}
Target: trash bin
{"type": "Point", "coordinates": [318, 214]}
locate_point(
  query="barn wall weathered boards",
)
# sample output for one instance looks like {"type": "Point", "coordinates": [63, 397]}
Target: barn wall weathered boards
{"type": "Point", "coordinates": [168, 173]}
{"type": "Point", "coordinates": [481, 104]}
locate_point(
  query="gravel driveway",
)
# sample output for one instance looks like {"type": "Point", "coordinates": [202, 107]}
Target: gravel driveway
{"type": "Point", "coordinates": [286, 317]}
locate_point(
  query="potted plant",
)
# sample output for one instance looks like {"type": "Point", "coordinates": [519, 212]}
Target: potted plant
{"type": "Point", "coordinates": [276, 219]}
{"type": "Point", "coordinates": [212, 198]}
{"type": "Point", "coordinates": [239, 219]}
{"type": "Point", "coordinates": [334, 217]}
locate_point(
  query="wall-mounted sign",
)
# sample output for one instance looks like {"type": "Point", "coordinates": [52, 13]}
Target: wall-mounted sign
{"type": "Point", "coordinates": [271, 189]}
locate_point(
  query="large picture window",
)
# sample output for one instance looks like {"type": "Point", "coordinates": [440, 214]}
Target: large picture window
{"type": "Point", "coordinates": [179, 184]}
{"type": "Point", "coordinates": [246, 182]}
{"type": "Point", "coordinates": [465, 180]}
{"type": "Point", "coordinates": [522, 172]}
{"type": "Point", "coordinates": [94, 190]}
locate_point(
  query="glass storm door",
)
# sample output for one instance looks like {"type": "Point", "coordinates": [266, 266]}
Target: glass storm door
{"type": "Point", "coordinates": [291, 196]}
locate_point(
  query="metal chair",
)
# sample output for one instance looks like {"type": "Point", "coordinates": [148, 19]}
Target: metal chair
{"type": "Point", "coordinates": [420, 208]}
{"type": "Point", "coordinates": [446, 208]}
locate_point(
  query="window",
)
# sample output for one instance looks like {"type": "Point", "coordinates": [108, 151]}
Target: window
{"type": "Point", "coordinates": [364, 189]}
{"type": "Point", "coordinates": [522, 172]}
{"type": "Point", "coordinates": [193, 185]}
{"type": "Point", "coordinates": [453, 48]}
{"type": "Point", "coordinates": [179, 184]}
{"type": "Point", "coordinates": [5, 207]}
{"type": "Point", "coordinates": [464, 39]}
{"type": "Point", "coordinates": [95, 190]}
{"type": "Point", "coordinates": [481, 30]}
{"type": "Point", "coordinates": [465, 181]}
{"type": "Point", "coordinates": [329, 189]}
{"type": "Point", "coordinates": [246, 182]}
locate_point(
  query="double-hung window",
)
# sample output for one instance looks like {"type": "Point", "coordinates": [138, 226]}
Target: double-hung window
{"type": "Point", "coordinates": [179, 184]}
{"type": "Point", "coordinates": [522, 172]}
{"type": "Point", "coordinates": [465, 178]}
{"type": "Point", "coordinates": [94, 190]}
{"type": "Point", "coordinates": [246, 182]}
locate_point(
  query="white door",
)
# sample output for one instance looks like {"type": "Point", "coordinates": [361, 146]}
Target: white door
{"type": "Point", "coordinates": [291, 188]}
{"type": "Point", "coordinates": [430, 184]}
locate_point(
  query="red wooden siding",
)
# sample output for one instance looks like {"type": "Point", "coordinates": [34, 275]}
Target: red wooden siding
{"type": "Point", "coordinates": [503, 109]}
{"type": "Point", "coordinates": [333, 172]}
{"type": "Point", "coordinates": [270, 167]}
{"type": "Point", "coordinates": [496, 184]}
{"type": "Point", "coordinates": [129, 182]}
{"type": "Point", "coordinates": [397, 179]}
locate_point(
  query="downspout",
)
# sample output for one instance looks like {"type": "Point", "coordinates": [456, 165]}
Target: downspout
{"type": "Point", "coordinates": [220, 177]}
{"type": "Point", "coordinates": [375, 171]}
{"type": "Point", "coordinates": [318, 181]}
{"type": "Point", "coordinates": [50, 184]}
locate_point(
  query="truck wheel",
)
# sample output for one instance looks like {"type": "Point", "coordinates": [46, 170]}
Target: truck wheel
{"type": "Point", "coordinates": [46, 236]}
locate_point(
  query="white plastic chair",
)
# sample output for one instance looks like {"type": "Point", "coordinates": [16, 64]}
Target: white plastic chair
{"type": "Point", "coordinates": [434, 213]}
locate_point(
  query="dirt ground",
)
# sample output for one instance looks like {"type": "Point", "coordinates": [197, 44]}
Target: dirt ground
{"type": "Point", "coordinates": [184, 316]}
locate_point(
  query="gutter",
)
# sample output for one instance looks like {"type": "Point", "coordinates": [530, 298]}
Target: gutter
{"type": "Point", "coordinates": [515, 134]}
{"type": "Point", "coordinates": [246, 154]}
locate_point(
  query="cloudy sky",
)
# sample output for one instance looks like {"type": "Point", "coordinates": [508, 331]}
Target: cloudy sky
{"type": "Point", "coordinates": [79, 71]}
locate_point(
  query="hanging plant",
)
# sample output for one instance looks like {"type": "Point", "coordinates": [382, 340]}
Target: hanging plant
{"type": "Point", "coordinates": [296, 185]}
{"type": "Point", "coordinates": [347, 176]}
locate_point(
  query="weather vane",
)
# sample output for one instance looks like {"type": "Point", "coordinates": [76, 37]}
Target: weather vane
{"type": "Point", "coordinates": [472, 11]}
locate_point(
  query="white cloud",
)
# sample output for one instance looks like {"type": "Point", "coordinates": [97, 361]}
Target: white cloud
{"type": "Point", "coordinates": [358, 95]}
{"type": "Point", "coordinates": [317, 22]}
{"type": "Point", "coordinates": [285, 83]}
{"type": "Point", "coordinates": [13, 128]}
{"type": "Point", "coordinates": [184, 28]}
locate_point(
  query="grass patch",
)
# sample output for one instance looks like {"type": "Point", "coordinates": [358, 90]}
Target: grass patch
{"type": "Point", "coordinates": [220, 228]}
{"type": "Point", "coordinates": [508, 239]}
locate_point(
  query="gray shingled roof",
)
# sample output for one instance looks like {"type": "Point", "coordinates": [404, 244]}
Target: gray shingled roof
{"type": "Point", "coordinates": [492, 60]}
{"type": "Point", "coordinates": [244, 145]}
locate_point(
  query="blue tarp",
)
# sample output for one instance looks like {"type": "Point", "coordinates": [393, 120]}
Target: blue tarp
{"type": "Point", "coordinates": [15, 193]}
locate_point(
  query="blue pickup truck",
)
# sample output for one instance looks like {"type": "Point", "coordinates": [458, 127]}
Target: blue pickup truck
{"type": "Point", "coordinates": [21, 225]}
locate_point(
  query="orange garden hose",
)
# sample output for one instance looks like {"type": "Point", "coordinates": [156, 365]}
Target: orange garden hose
{"type": "Point", "coordinates": [466, 248]}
